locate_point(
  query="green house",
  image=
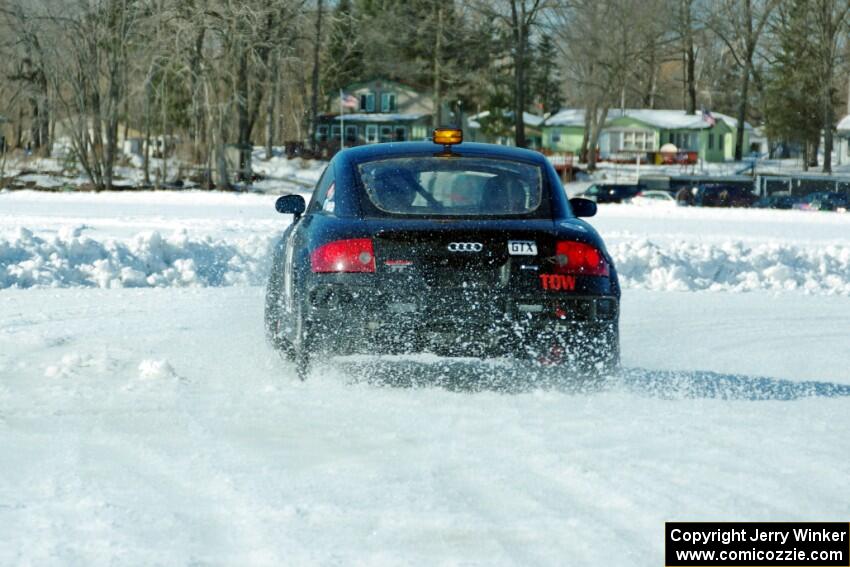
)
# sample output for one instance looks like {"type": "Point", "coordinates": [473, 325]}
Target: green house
{"type": "Point", "coordinates": [632, 131]}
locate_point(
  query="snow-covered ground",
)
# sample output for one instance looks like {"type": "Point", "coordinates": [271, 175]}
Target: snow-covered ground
{"type": "Point", "coordinates": [60, 172]}
{"type": "Point", "coordinates": [155, 426]}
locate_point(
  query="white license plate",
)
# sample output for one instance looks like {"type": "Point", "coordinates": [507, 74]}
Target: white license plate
{"type": "Point", "coordinates": [522, 248]}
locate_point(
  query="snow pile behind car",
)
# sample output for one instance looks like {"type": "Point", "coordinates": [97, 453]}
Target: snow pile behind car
{"type": "Point", "coordinates": [733, 266]}
{"type": "Point", "coordinates": [70, 258]}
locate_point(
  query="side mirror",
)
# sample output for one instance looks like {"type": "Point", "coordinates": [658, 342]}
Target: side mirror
{"type": "Point", "coordinates": [291, 205]}
{"type": "Point", "coordinates": [583, 207]}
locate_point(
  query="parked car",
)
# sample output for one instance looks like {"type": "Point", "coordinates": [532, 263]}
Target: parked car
{"type": "Point", "coordinates": [446, 247]}
{"type": "Point", "coordinates": [824, 201]}
{"type": "Point", "coordinates": [777, 201]}
{"type": "Point", "coordinates": [711, 195]}
{"type": "Point", "coordinates": [611, 193]}
{"type": "Point", "coordinates": [653, 198]}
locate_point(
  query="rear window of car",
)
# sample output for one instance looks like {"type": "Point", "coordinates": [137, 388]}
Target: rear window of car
{"type": "Point", "coordinates": [453, 186]}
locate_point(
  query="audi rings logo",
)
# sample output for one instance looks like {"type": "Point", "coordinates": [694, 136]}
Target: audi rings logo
{"type": "Point", "coordinates": [465, 247]}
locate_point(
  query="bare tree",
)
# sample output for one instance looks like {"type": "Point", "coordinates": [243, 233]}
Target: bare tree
{"type": "Point", "coordinates": [686, 25]}
{"type": "Point", "coordinates": [29, 73]}
{"type": "Point", "coordinates": [601, 46]}
{"type": "Point", "coordinates": [314, 92]}
{"type": "Point", "coordinates": [740, 24]}
{"type": "Point", "coordinates": [831, 19]}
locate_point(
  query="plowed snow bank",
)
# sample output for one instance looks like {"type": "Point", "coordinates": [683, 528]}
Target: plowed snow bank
{"type": "Point", "coordinates": [733, 266]}
{"type": "Point", "coordinates": [72, 259]}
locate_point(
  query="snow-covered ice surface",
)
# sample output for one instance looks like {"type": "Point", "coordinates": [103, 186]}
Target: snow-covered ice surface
{"type": "Point", "coordinates": [155, 426]}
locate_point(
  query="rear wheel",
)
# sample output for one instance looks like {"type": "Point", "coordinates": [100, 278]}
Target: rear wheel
{"type": "Point", "coordinates": [591, 352]}
{"type": "Point", "coordinates": [301, 352]}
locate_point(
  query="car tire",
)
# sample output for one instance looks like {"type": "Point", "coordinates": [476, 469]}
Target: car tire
{"type": "Point", "coordinates": [602, 356]}
{"type": "Point", "coordinates": [301, 352]}
{"type": "Point", "coordinates": [596, 357]}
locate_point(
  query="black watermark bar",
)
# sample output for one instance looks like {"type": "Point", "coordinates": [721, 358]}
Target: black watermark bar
{"type": "Point", "coordinates": [757, 544]}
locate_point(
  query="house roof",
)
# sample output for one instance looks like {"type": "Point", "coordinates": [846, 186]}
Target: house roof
{"type": "Point", "coordinates": [844, 125]}
{"type": "Point", "coordinates": [382, 80]}
{"type": "Point", "coordinates": [381, 117]}
{"type": "Point", "coordinates": [566, 117]}
{"type": "Point", "coordinates": [662, 119]}
{"type": "Point", "coordinates": [474, 121]}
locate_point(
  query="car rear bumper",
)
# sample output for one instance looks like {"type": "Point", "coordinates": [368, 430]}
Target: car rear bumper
{"type": "Point", "coordinates": [352, 319]}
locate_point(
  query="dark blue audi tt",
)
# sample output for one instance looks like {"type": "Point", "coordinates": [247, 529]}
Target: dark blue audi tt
{"type": "Point", "coordinates": [447, 247]}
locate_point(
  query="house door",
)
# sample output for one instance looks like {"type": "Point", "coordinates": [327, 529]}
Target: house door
{"type": "Point", "coordinates": [400, 133]}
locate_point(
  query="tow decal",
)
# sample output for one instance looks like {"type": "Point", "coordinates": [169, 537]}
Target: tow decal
{"type": "Point", "coordinates": [557, 282]}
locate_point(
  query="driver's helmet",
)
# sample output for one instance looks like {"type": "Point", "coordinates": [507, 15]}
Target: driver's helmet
{"type": "Point", "coordinates": [394, 188]}
{"type": "Point", "coordinates": [504, 194]}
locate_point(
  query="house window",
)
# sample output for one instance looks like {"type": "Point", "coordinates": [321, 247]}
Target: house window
{"type": "Point", "coordinates": [420, 133]}
{"type": "Point", "coordinates": [635, 140]}
{"type": "Point", "coordinates": [335, 132]}
{"type": "Point", "coordinates": [556, 136]}
{"type": "Point", "coordinates": [720, 140]}
{"type": "Point", "coordinates": [388, 102]}
{"type": "Point", "coordinates": [367, 102]}
{"type": "Point", "coordinates": [350, 134]}
{"type": "Point", "coordinates": [322, 133]}
{"type": "Point", "coordinates": [710, 141]}
{"type": "Point", "coordinates": [685, 141]}
{"type": "Point", "coordinates": [386, 134]}
{"type": "Point", "coordinates": [371, 133]}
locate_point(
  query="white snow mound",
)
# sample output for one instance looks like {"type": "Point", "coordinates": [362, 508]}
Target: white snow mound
{"type": "Point", "coordinates": [733, 266]}
{"type": "Point", "coordinates": [70, 259]}
{"type": "Point", "coordinates": [155, 370]}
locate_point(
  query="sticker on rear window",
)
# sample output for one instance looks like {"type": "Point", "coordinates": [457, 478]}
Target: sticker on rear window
{"type": "Point", "coordinates": [522, 248]}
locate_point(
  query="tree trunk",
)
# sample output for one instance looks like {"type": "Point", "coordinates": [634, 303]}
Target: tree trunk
{"type": "Point", "coordinates": [146, 148]}
{"type": "Point", "coordinates": [806, 151]}
{"type": "Point", "coordinates": [270, 106]}
{"type": "Point", "coordinates": [690, 58]}
{"type": "Point", "coordinates": [692, 84]}
{"type": "Point", "coordinates": [742, 114]}
{"type": "Point", "coordinates": [196, 134]}
{"type": "Point", "coordinates": [520, 44]}
{"type": "Point", "coordinates": [19, 128]}
{"type": "Point", "coordinates": [243, 120]}
{"type": "Point", "coordinates": [813, 154]}
{"type": "Point", "coordinates": [314, 94]}
{"type": "Point", "coordinates": [599, 118]}
{"type": "Point", "coordinates": [585, 136]}
{"type": "Point", "coordinates": [828, 125]}
{"type": "Point", "coordinates": [437, 120]}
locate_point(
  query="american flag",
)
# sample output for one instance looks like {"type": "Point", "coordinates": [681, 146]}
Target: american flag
{"type": "Point", "coordinates": [348, 100]}
{"type": "Point", "coordinates": [707, 117]}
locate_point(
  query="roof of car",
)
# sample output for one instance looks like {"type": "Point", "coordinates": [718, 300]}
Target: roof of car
{"type": "Point", "coordinates": [371, 152]}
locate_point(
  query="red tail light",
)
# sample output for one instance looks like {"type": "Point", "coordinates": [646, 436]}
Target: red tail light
{"type": "Point", "coordinates": [353, 256]}
{"type": "Point", "coordinates": [578, 258]}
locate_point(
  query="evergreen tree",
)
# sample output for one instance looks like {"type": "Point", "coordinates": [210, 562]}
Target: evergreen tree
{"type": "Point", "coordinates": [546, 77]}
{"type": "Point", "coordinates": [791, 94]}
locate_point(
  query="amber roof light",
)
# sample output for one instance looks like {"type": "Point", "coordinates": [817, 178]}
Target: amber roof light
{"type": "Point", "coordinates": [448, 136]}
